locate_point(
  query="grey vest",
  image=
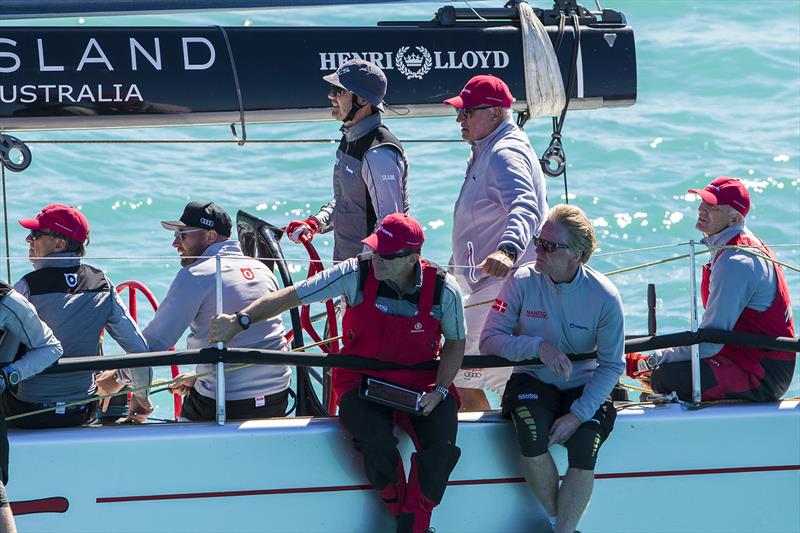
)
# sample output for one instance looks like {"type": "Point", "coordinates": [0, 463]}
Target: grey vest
{"type": "Point", "coordinates": [353, 215]}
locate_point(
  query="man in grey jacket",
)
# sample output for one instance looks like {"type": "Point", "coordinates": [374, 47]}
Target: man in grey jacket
{"type": "Point", "coordinates": [501, 206]}
{"type": "Point", "coordinates": [77, 301]}
{"type": "Point", "coordinates": [560, 306]}
{"type": "Point", "coordinates": [369, 175]}
{"type": "Point", "coordinates": [258, 391]}
{"type": "Point", "coordinates": [27, 346]}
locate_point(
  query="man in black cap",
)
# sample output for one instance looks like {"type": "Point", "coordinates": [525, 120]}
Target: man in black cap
{"type": "Point", "coordinates": [369, 176]}
{"type": "Point", "coordinates": [258, 391]}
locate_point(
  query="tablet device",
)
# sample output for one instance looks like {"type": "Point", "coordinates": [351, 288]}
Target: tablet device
{"type": "Point", "coordinates": [394, 396]}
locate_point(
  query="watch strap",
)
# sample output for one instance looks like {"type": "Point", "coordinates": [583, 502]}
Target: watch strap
{"type": "Point", "coordinates": [442, 390]}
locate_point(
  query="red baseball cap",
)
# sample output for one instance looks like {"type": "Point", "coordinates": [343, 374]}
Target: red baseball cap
{"type": "Point", "coordinates": [726, 191]}
{"type": "Point", "coordinates": [482, 90]}
{"type": "Point", "coordinates": [63, 219]}
{"type": "Point", "coordinates": [398, 231]}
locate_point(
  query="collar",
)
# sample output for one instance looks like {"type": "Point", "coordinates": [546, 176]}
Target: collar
{"type": "Point", "coordinates": [502, 128]}
{"type": "Point", "coordinates": [573, 285]}
{"type": "Point", "coordinates": [361, 128]}
{"type": "Point", "coordinates": [721, 238]}
{"type": "Point", "coordinates": [223, 248]}
{"type": "Point", "coordinates": [59, 260]}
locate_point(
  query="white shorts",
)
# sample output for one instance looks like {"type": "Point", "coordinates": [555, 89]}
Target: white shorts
{"type": "Point", "coordinates": [493, 379]}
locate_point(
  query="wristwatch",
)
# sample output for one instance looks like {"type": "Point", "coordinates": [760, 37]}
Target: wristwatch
{"type": "Point", "coordinates": [243, 319]}
{"type": "Point", "coordinates": [441, 390]}
{"type": "Point", "coordinates": [11, 375]}
{"type": "Point", "coordinates": [509, 251]}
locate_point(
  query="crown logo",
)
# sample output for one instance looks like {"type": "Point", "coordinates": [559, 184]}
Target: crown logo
{"type": "Point", "coordinates": [413, 65]}
{"type": "Point", "coordinates": [413, 60]}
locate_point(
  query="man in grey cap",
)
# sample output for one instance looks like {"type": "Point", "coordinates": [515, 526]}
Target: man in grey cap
{"type": "Point", "coordinates": [369, 175]}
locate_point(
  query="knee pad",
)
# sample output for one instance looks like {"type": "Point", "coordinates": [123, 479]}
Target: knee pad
{"type": "Point", "coordinates": [434, 467]}
{"type": "Point", "coordinates": [532, 436]}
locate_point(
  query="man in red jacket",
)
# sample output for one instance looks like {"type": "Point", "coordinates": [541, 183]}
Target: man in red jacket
{"type": "Point", "coordinates": [399, 306]}
{"type": "Point", "coordinates": [742, 292]}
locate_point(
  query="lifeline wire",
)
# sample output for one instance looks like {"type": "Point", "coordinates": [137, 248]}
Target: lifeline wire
{"type": "Point", "coordinates": [5, 222]}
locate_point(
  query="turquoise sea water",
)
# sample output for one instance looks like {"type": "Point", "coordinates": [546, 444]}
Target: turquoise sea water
{"type": "Point", "coordinates": [719, 94]}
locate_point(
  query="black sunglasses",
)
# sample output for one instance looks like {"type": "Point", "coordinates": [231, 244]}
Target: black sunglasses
{"type": "Point", "coordinates": [547, 246]}
{"type": "Point", "coordinates": [36, 233]}
{"type": "Point", "coordinates": [335, 90]}
{"type": "Point", "coordinates": [389, 257]}
{"type": "Point", "coordinates": [467, 112]}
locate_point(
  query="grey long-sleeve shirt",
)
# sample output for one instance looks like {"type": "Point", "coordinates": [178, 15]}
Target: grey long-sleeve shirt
{"type": "Point", "coordinates": [581, 316]}
{"type": "Point", "coordinates": [503, 201]}
{"type": "Point", "coordinates": [738, 280]}
{"type": "Point", "coordinates": [78, 317]}
{"type": "Point", "coordinates": [191, 302]}
{"type": "Point", "coordinates": [21, 324]}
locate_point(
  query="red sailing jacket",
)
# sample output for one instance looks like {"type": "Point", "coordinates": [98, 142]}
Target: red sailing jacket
{"type": "Point", "coordinates": [776, 320]}
{"type": "Point", "coordinates": [369, 332]}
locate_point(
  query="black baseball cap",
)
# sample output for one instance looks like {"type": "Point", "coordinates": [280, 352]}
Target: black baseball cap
{"type": "Point", "coordinates": [203, 215]}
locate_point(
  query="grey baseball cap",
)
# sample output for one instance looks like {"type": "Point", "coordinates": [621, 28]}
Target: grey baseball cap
{"type": "Point", "coordinates": [361, 78]}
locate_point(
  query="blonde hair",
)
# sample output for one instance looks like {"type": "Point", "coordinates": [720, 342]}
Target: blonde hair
{"type": "Point", "coordinates": [579, 227]}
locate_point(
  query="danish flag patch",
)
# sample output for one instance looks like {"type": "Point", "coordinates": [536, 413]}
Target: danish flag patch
{"type": "Point", "coordinates": [247, 273]}
{"type": "Point", "coordinates": [499, 305]}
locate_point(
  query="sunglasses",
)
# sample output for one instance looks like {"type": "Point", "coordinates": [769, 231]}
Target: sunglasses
{"type": "Point", "coordinates": [398, 255]}
{"type": "Point", "coordinates": [335, 90]}
{"type": "Point", "coordinates": [180, 233]}
{"type": "Point", "coordinates": [35, 234]}
{"type": "Point", "coordinates": [547, 246]}
{"type": "Point", "coordinates": [467, 112]}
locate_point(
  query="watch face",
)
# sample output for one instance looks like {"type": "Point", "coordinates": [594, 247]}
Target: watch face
{"type": "Point", "coordinates": [244, 321]}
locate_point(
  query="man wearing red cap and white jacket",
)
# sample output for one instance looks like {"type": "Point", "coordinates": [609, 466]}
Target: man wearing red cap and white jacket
{"type": "Point", "coordinates": [77, 301]}
{"type": "Point", "coordinates": [398, 308]}
{"type": "Point", "coordinates": [501, 207]}
{"type": "Point", "coordinates": [741, 292]}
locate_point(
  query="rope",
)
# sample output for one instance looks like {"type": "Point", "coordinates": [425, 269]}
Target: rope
{"type": "Point", "coordinates": [218, 141]}
{"type": "Point", "coordinates": [544, 86]}
{"type": "Point", "coordinates": [243, 140]}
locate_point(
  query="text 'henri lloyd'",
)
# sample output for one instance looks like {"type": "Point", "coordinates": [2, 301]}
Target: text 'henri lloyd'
{"type": "Point", "coordinates": [415, 61]}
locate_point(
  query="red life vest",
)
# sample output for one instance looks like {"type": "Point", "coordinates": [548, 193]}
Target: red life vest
{"type": "Point", "coordinates": [369, 332]}
{"type": "Point", "coordinates": [776, 320]}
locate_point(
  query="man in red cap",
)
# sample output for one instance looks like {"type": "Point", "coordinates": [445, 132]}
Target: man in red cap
{"type": "Point", "coordinates": [742, 292]}
{"type": "Point", "coordinates": [501, 206]}
{"type": "Point", "coordinates": [77, 301]}
{"type": "Point", "coordinates": [399, 306]}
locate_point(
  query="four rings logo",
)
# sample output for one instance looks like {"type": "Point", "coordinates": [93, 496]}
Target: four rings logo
{"type": "Point", "coordinates": [414, 62]}
{"type": "Point", "coordinates": [207, 222]}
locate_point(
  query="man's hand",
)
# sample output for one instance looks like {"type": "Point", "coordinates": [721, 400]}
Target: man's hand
{"type": "Point", "coordinates": [224, 328]}
{"type": "Point", "coordinates": [563, 428]}
{"type": "Point", "coordinates": [182, 383]}
{"type": "Point", "coordinates": [298, 228]}
{"type": "Point", "coordinates": [555, 360]}
{"type": "Point", "coordinates": [496, 264]}
{"type": "Point", "coordinates": [138, 410]}
{"type": "Point", "coordinates": [429, 401]}
{"type": "Point", "coordinates": [106, 382]}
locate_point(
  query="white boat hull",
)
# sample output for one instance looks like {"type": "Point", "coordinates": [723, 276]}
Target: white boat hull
{"type": "Point", "coordinates": [725, 468]}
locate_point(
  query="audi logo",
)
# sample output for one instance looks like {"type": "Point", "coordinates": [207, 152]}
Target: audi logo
{"type": "Point", "coordinates": [207, 222]}
{"type": "Point", "coordinates": [470, 374]}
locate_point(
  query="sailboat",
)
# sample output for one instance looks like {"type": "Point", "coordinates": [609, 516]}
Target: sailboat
{"type": "Point", "coordinates": [300, 473]}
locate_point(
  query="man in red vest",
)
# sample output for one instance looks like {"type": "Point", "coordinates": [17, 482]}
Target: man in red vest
{"type": "Point", "coordinates": [399, 306]}
{"type": "Point", "coordinates": [741, 292]}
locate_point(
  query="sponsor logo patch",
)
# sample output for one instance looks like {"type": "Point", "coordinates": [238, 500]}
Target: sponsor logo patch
{"type": "Point", "coordinates": [71, 279]}
{"type": "Point", "coordinates": [535, 314]}
{"type": "Point", "coordinates": [247, 273]}
{"type": "Point", "coordinates": [573, 325]}
{"type": "Point", "coordinates": [528, 396]}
